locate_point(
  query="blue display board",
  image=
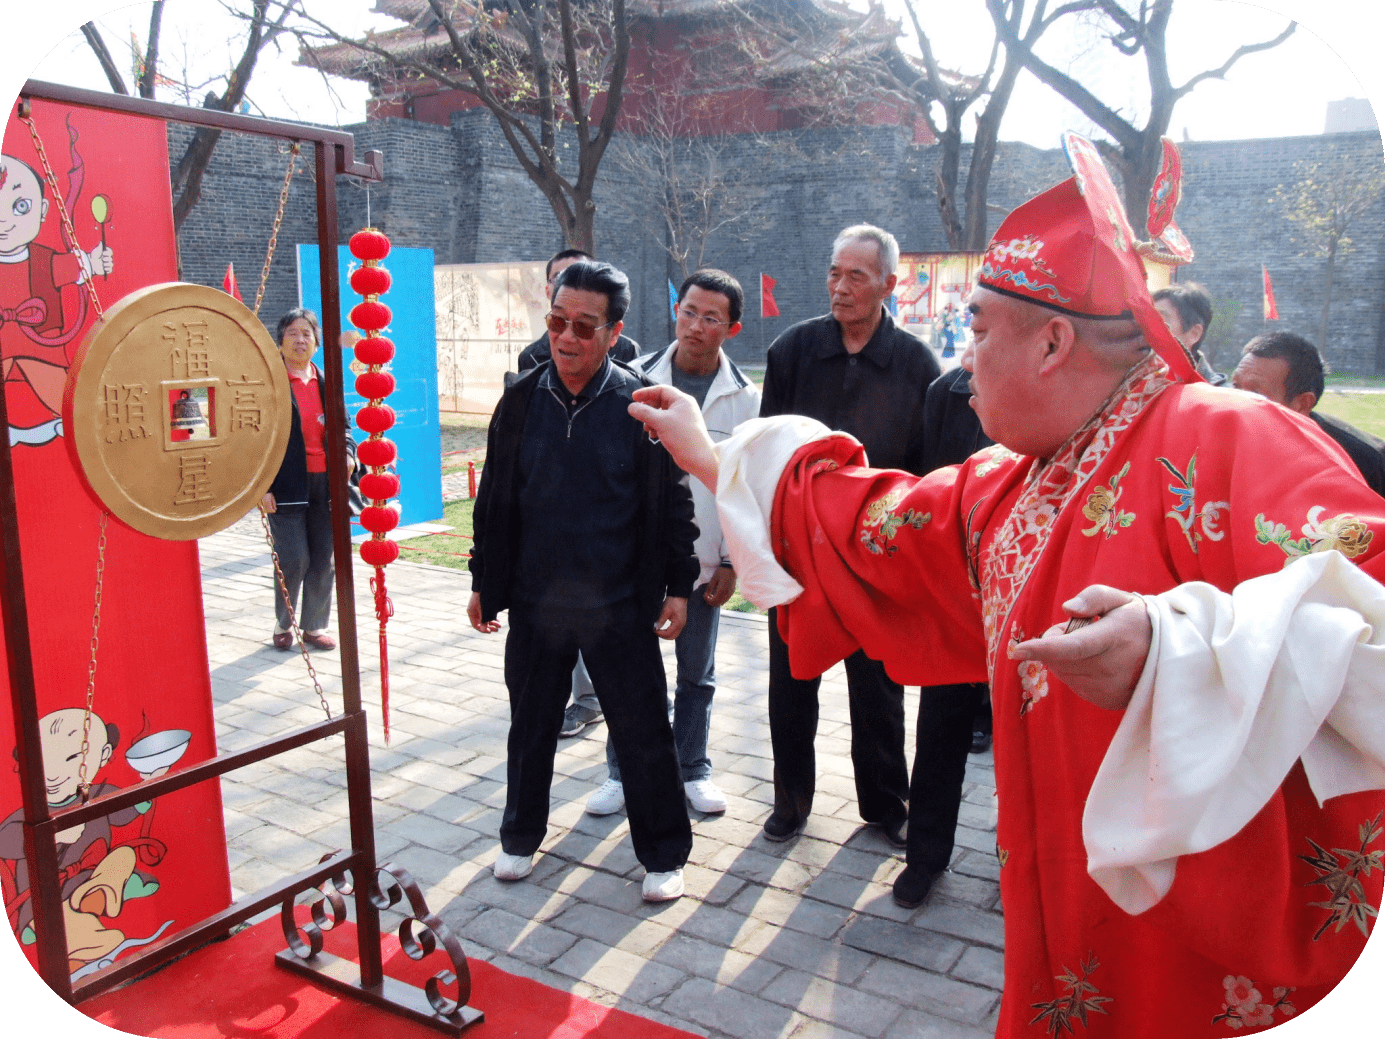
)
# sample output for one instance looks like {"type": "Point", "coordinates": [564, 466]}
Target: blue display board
{"type": "Point", "coordinates": [415, 368]}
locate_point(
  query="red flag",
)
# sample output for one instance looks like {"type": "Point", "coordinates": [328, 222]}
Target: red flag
{"type": "Point", "coordinates": [1268, 297]}
{"type": "Point", "coordinates": [768, 307]}
{"type": "Point", "coordinates": [228, 283]}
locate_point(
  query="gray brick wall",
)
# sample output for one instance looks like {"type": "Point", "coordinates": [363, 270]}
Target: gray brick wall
{"type": "Point", "coordinates": [460, 191]}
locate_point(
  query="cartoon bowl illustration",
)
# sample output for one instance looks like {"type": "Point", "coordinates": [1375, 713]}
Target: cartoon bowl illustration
{"type": "Point", "coordinates": [158, 750]}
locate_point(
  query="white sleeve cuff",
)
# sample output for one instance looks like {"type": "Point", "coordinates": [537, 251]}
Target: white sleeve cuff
{"type": "Point", "coordinates": [1236, 688]}
{"type": "Point", "coordinates": [750, 464]}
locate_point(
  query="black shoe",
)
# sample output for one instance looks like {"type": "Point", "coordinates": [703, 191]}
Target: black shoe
{"type": "Point", "coordinates": [981, 742]}
{"type": "Point", "coordinates": [912, 887]}
{"type": "Point", "coordinates": [576, 718]}
{"type": "Point", "coordinates": [778, 828]}
{"type": "Point", "coordinates": [894, 833]}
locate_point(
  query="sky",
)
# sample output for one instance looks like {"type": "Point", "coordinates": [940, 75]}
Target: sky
{"type": "Point", "coordinates": [1283, 92]}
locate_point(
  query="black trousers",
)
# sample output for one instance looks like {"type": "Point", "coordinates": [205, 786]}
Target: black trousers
{"type": "Point", "coordinates": [948, 715]}
{"type": "Point", "coordinates": [877, 709]}
{"type": "Point", "coordinates": [621, 652]}
{"type": "Point", "coordinates": [303, 542]}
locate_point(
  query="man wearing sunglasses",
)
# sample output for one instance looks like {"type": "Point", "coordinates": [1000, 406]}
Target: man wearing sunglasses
{"type": "Point", "coordinates": [584, 531]}
{"type": "Point", "coordinates": [584, 711]}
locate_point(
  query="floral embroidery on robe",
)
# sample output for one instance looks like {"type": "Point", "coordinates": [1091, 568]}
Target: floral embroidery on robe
{"type": "Point", "coordinates": [1187, 511]}
{"type": "Point", "coordinates": [1242, 1006]}
{"type": "Point", "coordinates": [1101, 507]}
{"type": "Point", "coordinates": [1345, 532]}
{"type": "Point", "coordinates": [881, 514]}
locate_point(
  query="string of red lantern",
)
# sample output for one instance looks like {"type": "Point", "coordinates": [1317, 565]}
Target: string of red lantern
{"type": "Point", "coordinates": [378, 452]}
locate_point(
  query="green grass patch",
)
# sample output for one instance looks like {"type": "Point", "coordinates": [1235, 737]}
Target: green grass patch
{"type": "Point", "coordinates": [1366, 411]}
{"type": "Point", "coordinates": [740, 604]}
{"type": "Point", "coordinates": [443, 549]}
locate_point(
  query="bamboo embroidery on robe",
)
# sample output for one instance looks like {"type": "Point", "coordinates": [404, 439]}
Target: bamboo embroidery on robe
{"type": "Point", "coordinates": [1187, 511]}
{"type": "Point", "coordinates": [1079, 1000]}
{"type": "Point", "coordinates": [1347, 900]}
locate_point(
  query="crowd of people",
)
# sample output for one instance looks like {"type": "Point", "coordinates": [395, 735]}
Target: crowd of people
{"type": "Point", "coordinates": [1164, 594]}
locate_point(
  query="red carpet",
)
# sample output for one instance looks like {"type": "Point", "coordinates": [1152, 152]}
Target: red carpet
{"type": "Point", "coordinates": [234, 990]}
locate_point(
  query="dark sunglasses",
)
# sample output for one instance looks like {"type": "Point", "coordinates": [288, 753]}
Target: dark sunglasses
{"type": "Point", "coordinates": [582, 329]}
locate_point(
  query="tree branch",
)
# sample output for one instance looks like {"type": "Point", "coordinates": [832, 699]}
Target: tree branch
{"type": "Point", "coordinates": [108, 66]}
{"type": "Point", "coordinates": [1240, 53]}
{"type": "Point", "coordinates": [151, 51]}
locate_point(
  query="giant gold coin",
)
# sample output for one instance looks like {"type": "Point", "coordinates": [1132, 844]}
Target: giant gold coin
{"type": "Point", "coordinates": [178, 406]}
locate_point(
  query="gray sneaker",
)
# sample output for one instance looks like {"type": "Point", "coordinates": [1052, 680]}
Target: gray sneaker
{"type": "Point", "coordinates": [577, 717]}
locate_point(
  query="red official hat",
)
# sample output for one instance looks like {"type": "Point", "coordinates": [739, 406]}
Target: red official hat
{"type": "Point", "coordinates": [1071, 249]}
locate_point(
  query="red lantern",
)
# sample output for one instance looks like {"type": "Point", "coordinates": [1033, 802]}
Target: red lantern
{"type": "Point", "coordinates": [369, 316]}
{"type": "Point", "coordinates": [375, 418]}
{"type": "Point", "coordinates": [379, 519]}
{"type": "Point", "coordinates": [370, 281]}
{"type": "Point", "coordinates": [377, 453]}
{"type": "Point", "coordinates": [375, 385]}
{"type": "Point", "coordinates": [379, 486]}
{"type": "Point", "coordinates": [375, 350]}
{"type": "Point", "coordinates": [369, 244]}
{"type": "Point", "coordinates": [379, 553]}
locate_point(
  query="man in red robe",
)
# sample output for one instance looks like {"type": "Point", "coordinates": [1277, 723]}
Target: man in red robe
{"type": "Point", "coordinates": [1189, 783]}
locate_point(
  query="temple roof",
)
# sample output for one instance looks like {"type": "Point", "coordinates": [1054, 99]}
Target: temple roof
{"type": "Point", "coordinates": [838, 32]}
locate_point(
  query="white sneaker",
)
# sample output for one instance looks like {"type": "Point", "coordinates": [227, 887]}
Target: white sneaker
{"type": "Point", "coordinates": [513, 867]}
{"type": "Point", "coordinates": [662, 887]}
{"type": "Point", "coordinates": [704, 796]}
{"type": "Point", "coordinates": [609, 798]}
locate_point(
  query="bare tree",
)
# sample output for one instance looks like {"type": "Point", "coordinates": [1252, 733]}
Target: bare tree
{"type": "Point", "coordinates": [265, 20]}
{"type": "Point", "coordinates": [1132, 28]}
{"type": "Point", "coordinates": [1322, 206]}
{"type": "Point", "coordinates": [687, 187]}
{"type": "Point", "coordinates": [538, 66]}
{"type": "Point", "coordinates": [954, 95]}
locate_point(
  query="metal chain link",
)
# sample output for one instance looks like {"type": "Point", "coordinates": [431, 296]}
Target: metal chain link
{"type": "Point", "coordinates": [274, 231]}
{"type": "Point", "coordinates": [51, 179]}
{"type": "Point", "coordinates": [83, 785]}
{"type": "Point", "coordinates": [293, 621]}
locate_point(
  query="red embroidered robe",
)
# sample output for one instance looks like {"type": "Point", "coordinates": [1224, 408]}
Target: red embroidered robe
{"type": "Point", "coordinates": [1169, 484]}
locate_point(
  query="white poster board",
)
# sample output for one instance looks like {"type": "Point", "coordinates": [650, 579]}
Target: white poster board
{"type": "Point", "coordinates": [487, 313]}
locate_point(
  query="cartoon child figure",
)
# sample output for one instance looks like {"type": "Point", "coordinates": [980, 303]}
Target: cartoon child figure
{"type": "Point", "coordinates": [97, 879]}
{"type": "Point", "coordinates": [32, 331]}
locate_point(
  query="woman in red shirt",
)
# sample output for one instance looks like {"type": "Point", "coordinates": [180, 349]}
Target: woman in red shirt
{"type": "Point", "coordinates": [298, 502]}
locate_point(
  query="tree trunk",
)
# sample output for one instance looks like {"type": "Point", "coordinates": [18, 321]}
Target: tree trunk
{"type": "Point", "coordinates": [1329, 263]}
{"type": "Point", "coordinates": [950, 159]}
{"type": "Point", "coordinates": [984, 155]}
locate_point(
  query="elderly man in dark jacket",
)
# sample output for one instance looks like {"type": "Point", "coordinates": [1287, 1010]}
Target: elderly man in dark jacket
{"type": "Point", "coordinates": [584, 531]}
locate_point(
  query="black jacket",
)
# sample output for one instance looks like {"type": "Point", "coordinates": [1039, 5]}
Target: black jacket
{"type": "Point", "coordinates": [290, 487]}
{"type": "Point", "coordinates": [952, 431]}
{"type": "Point", "coordinates": [1365, 450]}
{"type": "Point", "coordinates": [667, 565]}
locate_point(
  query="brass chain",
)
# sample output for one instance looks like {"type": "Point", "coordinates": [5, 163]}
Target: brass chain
{"type": "Point", "coordinates": [83, 784]}
{"type": "Point", "coordinates": [274, 231]}
{"type": "Point", "coordinates": [51, 179]}
{"type": "Point", "coordinates": [293, 621]}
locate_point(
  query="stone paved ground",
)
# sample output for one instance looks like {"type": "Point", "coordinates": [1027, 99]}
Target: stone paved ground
{"type": "Point", "coordinates": [798, 939]}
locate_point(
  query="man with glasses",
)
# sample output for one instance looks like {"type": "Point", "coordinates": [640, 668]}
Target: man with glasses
{"type": "Point", "coordinates": [856, 370]}
{"type": "Point", "coordinates": [709, 313]}
{"type": "Point", "coordinates": [584, 531]}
